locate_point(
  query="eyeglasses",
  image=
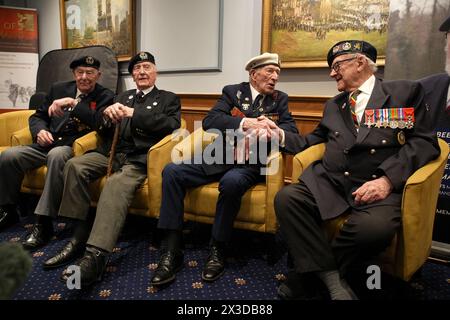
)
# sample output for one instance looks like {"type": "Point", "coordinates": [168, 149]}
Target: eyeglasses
{"type": "Point", "coordinates": [337, 66]}
{"type": "Point", "coordinates": [89, 73]}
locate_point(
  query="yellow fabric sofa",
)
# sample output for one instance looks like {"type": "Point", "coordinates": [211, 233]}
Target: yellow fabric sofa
{"type": "Point", "coordinates": [411, 246]}
{"type": "Point", "coordinates": [147, 200]}
{"type": "Point", "coordinates": [11, 122]}
{"type": "Point", "coordinates": [257, 211]}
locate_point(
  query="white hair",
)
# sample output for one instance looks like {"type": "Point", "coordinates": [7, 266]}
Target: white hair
{"type": "Point", "coordinates": [372, 65]}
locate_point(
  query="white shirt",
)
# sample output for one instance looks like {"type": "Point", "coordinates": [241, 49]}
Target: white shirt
{"type": "Point", "coordinates": [363, 98]}
{"type": "Point", "coordinates": [145, 91]}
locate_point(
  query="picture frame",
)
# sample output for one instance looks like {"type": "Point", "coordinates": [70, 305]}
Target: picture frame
{"type": "Point", "coordinates": [101, 22]}
{"type": "Point", "coordinates": [302, 31]}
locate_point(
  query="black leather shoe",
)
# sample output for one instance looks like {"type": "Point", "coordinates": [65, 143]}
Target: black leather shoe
{"type": "Point", "coordinates": [71, 251]}
{"type": "Point", "coordinates": [300, 287]}
{"type": "Point", "coordinates": [215, 265]}
{"type": "Point", "coordinates": [92, 265]}
{"type": "Point", "coordinates": [8, 217]}
{"type": "Point", "coordinates": [169, 264]}
{"type": "Point", "coordinates": [39, 236]}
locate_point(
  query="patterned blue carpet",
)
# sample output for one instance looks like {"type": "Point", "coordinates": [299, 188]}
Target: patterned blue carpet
{"type": "Point", "coordinates": [255, 267]}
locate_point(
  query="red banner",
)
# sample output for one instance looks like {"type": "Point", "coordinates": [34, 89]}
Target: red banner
{"type": "Point", "coordinates": [18, 30]}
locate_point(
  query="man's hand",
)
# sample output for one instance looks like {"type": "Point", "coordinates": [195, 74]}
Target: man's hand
{"type": "Point", "coordinates": [373, 190]}
{"type": "Point", "coordinates": [271, 130]}
{"type": "Point", "coordinates": [44, 138]}
{"type": "Point", "coordinates": [117, 112]}
{"type": "Point", "coordinates": [58, 106]}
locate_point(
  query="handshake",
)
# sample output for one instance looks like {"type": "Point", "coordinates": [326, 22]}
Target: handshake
{"type": "Point", "coordinates": [263, 128]}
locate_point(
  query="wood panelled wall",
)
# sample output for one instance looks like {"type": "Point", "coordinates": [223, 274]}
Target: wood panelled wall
{"type": "Point", "coordinates": [306, 111]}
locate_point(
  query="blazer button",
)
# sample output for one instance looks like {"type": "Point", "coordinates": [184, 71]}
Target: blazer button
{"type": "Point", "coordinates": [345, 151]}
{"type": "Point", "coordinates": [373, 151]}
{"type": "Point", "coordinates": [383, 141]}
{"type": "Point", "coordinates": [336, 133]}
{"type": "Point", "coordinates": [374, 176]}
{"type": "Point", "coordinates": [60, 138]}
{"type": "Point", "coordinates": [347, 174]}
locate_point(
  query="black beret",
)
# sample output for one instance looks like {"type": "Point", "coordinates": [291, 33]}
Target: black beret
{"type": "Point", "coordinates": [141, 56]}
{"type": "Point", "coordinates": [445, 26]}
{"type": "Point", "coordinates": [352, 46]}
{"type": "Point", "coordinates": [86, 61]}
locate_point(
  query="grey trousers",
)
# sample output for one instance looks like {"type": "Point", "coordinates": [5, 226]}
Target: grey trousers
{"type": "Point", "coordinates": [15, 161]}
{"type": "Point", "coordinates": [114, 200]}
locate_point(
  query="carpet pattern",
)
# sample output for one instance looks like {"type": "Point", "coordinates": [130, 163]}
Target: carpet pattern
{"type": "Point", "coordinates": [255, 267]}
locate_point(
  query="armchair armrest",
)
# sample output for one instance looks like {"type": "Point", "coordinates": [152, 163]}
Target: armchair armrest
{"type": "Point", "coordinates": [193, 144]}
{"type": "Point", "coordinates": [21, 137]}
{"type": "Point", "coordinates": [274, 183]}
{"type": "Point", "coordinates": [11, 122]}
{"type": "Point", "coordinates": [85, 143]}
{"type": "Point", "coordinates": [419, 201]}
{"type": "Point", "coordinates": [304, 158]}
{"type": "Point", "coordinates": [158, 156]}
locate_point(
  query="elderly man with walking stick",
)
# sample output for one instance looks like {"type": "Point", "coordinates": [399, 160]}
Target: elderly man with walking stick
{"type": "Point", "coordinates": [133, 124]}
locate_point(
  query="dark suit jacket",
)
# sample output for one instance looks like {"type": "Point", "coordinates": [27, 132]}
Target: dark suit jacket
{"type": "Point", "coordinates": [86, 115]}
{"type": "Point", "coordinates": [436, 89]}
{"type": "Point", "coordinates": [352, 158]}
{"type": "Point", "coordinates": [239, 96]}
{"type": "Point", "coordinates": [157, 115]}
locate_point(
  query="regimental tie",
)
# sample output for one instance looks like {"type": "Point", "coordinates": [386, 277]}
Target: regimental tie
{"type": "Point", "coordinates": [140, 96]}
{"type": "Point", "coordinates": [352, 101]}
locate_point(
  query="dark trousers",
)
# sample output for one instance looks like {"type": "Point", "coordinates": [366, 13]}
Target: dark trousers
{"type": "Point", "coordinates": [232, 186]}
{"type": "Point", "coordinates": [365, 233]}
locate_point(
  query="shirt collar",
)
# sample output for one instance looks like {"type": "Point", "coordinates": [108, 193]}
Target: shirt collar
{"type": "Point", "coordinates": [368, 85]}
{"type": "Point", "coordinates": [255, 93]}
{"type": "Point", "coordinates": [145, 91]}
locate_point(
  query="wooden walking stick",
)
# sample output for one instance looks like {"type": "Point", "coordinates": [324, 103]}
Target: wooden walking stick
{"type": "Point", "coordinates": [112, 152]}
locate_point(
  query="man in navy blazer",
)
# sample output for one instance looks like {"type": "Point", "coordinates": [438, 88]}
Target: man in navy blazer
{"type": "Point", "coordinates": [243, 109]}
{"type": "Point", "coordinates": [437, 87]}
{"type": "Point", "coordinates": [376, 135]}
{"type": "Point", "coordinates": [70, 110]}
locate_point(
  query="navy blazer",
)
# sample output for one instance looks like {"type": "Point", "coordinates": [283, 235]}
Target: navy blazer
{"type": "Point", "coordinates": [436, 89]}
{"type": "Point", "coordinates": [87, 113]}
{"type": "Point", "coordinates": [352, 158]}
{"type": "Point", "coordinates": [239, 96]}
{"type": "Point", "coordinates": [157, 115]}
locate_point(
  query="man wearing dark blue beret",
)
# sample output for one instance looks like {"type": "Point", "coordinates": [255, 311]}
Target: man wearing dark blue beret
{"type": "Point", "coordinates": [70, 110]}
{"type": "Point", "coordinates": [376, 135]}
{"type": "Point", "coordinates": [437, 90]}
{"type": "Point", "coordinates": [143, 117]}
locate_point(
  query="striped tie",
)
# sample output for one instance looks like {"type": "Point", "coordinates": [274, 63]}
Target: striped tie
{"type": "Point", "coordinates": [352, 101]}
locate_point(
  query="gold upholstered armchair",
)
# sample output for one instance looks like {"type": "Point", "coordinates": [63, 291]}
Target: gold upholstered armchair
{"type": "Point", "coordinates": [257, 211]}
{"type": "Point", "coordinates": [411, 245]}
{"type": "Point", "coordinates": [147, 200]}
{"type": "Point", "coordinates": [11, 122]}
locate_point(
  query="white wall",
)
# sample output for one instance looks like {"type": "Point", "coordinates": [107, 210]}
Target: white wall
{"type": "Point", "coordinates": [241, 41]}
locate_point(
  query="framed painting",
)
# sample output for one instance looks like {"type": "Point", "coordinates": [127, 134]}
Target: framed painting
{"type": "Point", "coordinates": [302, 31]}
{"type": "Point", "coordinates": [100, 22]}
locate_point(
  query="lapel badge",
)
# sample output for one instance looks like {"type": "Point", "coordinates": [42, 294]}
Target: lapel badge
{"type": "Point", "coordinates": [155, 103]}
{"type": "Point", "coordinates": [260, 109]}
{"type": "Point", "coordinates": [149, 107]}
{"type": "Point", "coordinates": [130, 97]}
{"type": "Point", "coordinates": [247, 99]}
{"type": "Point", "coordinates": [245, 106]}
{"type": "Point", "coordinates": [344, 105]}
{"type": "Point", "coordinates": [401, 137]}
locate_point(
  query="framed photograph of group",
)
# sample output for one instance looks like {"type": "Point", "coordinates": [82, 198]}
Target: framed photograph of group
{"type": "Point", "coordinates": [302, 31]}
{"type": "Point", "coordinates": [100, 22]}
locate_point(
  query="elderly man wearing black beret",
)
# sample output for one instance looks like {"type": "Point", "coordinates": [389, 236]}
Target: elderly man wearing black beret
{"type": "Point", "coordinates": [70, 110]}
{"type": "Point", "coordinates": [376, 136]}
{"type": "Point", "coordinates": [144, 115]}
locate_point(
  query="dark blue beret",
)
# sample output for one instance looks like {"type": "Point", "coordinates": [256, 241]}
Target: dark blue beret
{"type": "Point", "coordinates": [86, 61]}
{"type": "Point", "coordinates": [141, 56]}
{"type": "Point", "coordinates": [352, 46]}
{"type": "Point", "coordinates": [445, 26]}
